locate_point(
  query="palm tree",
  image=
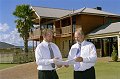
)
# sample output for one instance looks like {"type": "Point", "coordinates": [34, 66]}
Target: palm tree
{"type": "Point", "coordinates": [24, 22]}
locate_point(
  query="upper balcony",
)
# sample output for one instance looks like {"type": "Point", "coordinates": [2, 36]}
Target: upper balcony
{"type": "Point", "coordinates": [58, 32]}
{"type": "Point", "coordinates": [35, 34]}
{"type": "Point", "coordinates": [66, 30]}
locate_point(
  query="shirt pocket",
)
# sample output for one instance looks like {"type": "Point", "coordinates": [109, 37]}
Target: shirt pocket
{"type": "Point", "coordinates": [46, 53]}
{"type": "Point", "coordinates": [85, 52]}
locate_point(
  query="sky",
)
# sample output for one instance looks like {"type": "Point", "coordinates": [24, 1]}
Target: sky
{"type": "Point", "coordinates": [8, 31]}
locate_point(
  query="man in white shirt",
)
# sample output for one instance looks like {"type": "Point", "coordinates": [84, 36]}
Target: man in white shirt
{"type": "Point", "coordinates": [84, 54]}
{"type": "Point", "coordinates": [47, 54]}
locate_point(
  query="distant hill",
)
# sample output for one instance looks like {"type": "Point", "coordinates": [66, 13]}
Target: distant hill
{"type": "Point", "coordinates": [4, 45]}
{"type": "Point", "coordinates": [23, 46]}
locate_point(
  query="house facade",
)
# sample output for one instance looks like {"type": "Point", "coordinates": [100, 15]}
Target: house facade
{"type": "Point", "coordinates": [65, 22]}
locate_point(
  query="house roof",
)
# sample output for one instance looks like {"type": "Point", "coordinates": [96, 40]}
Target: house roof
{"type": "Point", "coordinates": [51, 12]}
{"type": "Point", "coordinates": [93, 11]}
{"type": "Point", "coordinates": [107, 28]}
{"type": "Point", "coordinates": [61, 13]}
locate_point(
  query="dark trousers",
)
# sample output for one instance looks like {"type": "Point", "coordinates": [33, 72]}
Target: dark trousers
{"type": "Point", "coordinates": [87, 74]}
{"type": "Point", "coordinates": [47, 74]}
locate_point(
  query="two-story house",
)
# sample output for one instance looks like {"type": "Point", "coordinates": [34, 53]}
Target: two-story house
{"type": "Point", "coordinates": [91, 20]}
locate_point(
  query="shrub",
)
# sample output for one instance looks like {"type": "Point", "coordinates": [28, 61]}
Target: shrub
{"type": "Point", "coordinates": [114, 54]}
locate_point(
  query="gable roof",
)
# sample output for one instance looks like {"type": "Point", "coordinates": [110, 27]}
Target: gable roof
{"type": "Point", "coordinates": [108, 28]}
{"type": "Point", "coordinates": [62, 13]}
{"type": "Point", "coordinates": [51, 12]}
{"type": "Point", "coordinates": [94, 11]}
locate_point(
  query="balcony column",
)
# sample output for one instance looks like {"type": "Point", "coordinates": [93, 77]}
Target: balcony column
{"type": "Point", "coordinates": [72, 41]}
{"type": "Point", "coordinates": [33, 45]}
{"type": "Point", "coordinates": [54, 28]}
{"type": "Point", "coordinates": [40, 30]}
{"type": "Point", "coordinates": [36, 44]}
{"type": "Point", "coordinates": [118, 37]}
{"type": "Point", "coordinates": [60, 26]}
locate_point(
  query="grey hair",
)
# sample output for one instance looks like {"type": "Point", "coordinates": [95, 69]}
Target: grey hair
{"type": "Point", "coordinates": [79, 31]}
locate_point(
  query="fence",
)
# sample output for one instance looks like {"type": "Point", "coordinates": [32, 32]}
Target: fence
{"type": "Point", "coordinates": [6, 58]}
{"type": "Point", "coordinates": [16, 57]}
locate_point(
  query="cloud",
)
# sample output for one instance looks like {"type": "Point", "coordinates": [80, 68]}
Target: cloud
{"type": "Point", "coordinates": [12, 37]}
{"type": "Point", "coordinates": [4, 27]}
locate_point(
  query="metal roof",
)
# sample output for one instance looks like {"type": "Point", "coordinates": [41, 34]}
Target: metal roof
{"type": "Point", "coordinates": [93, 11]}
{"type": "Point", "coordinates": [51, 12]}
{"type": "Point", "coordinates": [61, 13]}
{"type": "Point", "coordinates": [108, 28]}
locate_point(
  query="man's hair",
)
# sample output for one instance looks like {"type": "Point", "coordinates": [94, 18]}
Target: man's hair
{"type": "Point", "coordinates": [45, 31]}
{"type": "Point", "coordinates": [80, 31]}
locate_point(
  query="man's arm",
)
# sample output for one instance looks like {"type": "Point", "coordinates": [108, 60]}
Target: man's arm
{"type": "Point", "coordinates": [39, 58]}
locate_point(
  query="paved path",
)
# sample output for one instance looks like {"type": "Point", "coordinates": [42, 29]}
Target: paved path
{"type": "Point", "coordinates": [23, 71]}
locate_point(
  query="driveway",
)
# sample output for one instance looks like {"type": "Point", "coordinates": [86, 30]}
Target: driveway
{"type": "Point", "coordinates": [23, 71]}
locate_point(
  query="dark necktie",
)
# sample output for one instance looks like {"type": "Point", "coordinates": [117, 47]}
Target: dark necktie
{"type": "Point", "coordinates": [77, 55]}
{"type": "Point", "coordinates": [51, 54]}
{"type": "Point", "coordinates": [78, 50]}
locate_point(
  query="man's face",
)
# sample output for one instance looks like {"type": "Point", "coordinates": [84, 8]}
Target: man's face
{"type": "Point", "coordinates": [49, 37]}
{"type": "Point", "coordinates": [78, 37]}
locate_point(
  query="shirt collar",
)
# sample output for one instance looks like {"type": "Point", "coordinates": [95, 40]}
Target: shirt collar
{"type": "Point", "coordinates": [46, 43]}
{"type": "Point", "coordinates": [81, 43]}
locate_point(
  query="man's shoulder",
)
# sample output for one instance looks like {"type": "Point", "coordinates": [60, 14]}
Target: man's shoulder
{"type": "Point", "coordinates": [89, 43]}
{"type": "Point", "coordinates": [40, 44]}
{"type": "Point", "coordinates": [74, 45]}
{"type": "Point", "coordinates": [54, 44]}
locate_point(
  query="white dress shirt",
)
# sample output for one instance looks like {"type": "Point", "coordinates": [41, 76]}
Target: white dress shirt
{"type": "Point", "coordinates": [42, 55]}
{"type": "Point", "coordinates": [87, 52]}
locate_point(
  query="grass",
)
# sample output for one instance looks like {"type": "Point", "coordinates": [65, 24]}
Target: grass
{"type": "Point", "coordinates": [107, 70]}
{"type": "Point", "coordinates": [3, 66]}
{"type": "Point", "coordinates": [104, 70]}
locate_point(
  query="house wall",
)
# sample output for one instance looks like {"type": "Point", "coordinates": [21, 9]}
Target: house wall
{"type": "Point", "coordinates": [89, 22]}
{"type": "Point", "coordinates": [64, 45]}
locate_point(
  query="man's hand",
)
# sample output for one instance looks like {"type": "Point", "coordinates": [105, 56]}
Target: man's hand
{"type": "Point", "coordinates": [59, 66]}
{"type": "Point", "coordinates": [79, 59]}
{"type": "Point", "coordinates": [55, 60]}
{"type": "Point", "coordinates": [66, 66]}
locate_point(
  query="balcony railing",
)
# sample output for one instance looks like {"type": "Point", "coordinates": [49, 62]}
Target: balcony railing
{"type": "Point", "coordinates": [57, 31]}
{"type": "Point", "coordinates": [66, 29]}
{"type": "Point", "coordinates": [36, 33]}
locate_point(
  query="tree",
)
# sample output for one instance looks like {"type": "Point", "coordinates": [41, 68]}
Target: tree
{"type": "Point", "coordinates": [114, 54]}
{"type": "Point", "coordinates": [24, 22]}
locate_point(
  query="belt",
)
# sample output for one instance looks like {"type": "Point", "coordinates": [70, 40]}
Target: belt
{"type": "Point", "coordinates": [47, 70]}
{"type": "Point", "coordinates": [86, 70]}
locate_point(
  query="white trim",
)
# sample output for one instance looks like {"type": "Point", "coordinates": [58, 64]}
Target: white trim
{"type": "Point", "coordinates": [118, 46]}
{"type": "Point", "coordinates": [35, 12]}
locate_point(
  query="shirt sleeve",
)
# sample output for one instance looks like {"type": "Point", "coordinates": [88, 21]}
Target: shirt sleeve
{"type": "Point", "coordinates": [70, 56]}
{"type": "Point", "coordinates": [93, 55]}
{"type": "Point", "coordinates": [39, 59]}
{"type": "Point", "coordinates": [59, 53]}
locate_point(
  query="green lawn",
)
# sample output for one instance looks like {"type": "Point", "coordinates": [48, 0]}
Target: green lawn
{"type": "Point", "coordinates": [3, 66]}
{"type": "Point", "coordinates": [104, 70]}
